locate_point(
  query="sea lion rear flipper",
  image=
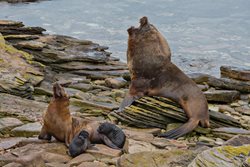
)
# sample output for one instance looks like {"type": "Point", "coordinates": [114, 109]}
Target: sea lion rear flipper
{"type": "Point", "coordinates": [44, 135]}
{"type": "Point", "coordinates": [182, 130]}
{"type": "Point", "coordinates": [109, 143]}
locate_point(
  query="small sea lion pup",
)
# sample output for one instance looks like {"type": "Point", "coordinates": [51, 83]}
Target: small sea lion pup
{"type": "Point", "coordinates": [153, 74]}
{"type": "Point", "coordinates": [77, 133]}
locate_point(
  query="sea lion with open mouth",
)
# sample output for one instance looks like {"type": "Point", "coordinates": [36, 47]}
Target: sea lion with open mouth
{"type": "Point", "coordinates": [153, 74]}
{"type": "Point", "coordinates": [77, 133]}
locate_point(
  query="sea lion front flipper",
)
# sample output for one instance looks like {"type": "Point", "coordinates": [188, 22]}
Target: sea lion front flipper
{"type": "Point", "coordinates": [109, 143]}
{"type": "Point", "coordinates": [127, 101]}
{"type": "Point", "coordinates": [44, 135]}
{"type": "Point", "coordinates": [182, 130]}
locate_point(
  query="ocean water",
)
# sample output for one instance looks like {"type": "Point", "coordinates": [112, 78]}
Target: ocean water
{"type": "Point", "coordinates": [203, 34]}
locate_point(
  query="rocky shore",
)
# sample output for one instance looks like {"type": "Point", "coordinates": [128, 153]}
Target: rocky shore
{"type": "Point", "coordinates": [31, 60]}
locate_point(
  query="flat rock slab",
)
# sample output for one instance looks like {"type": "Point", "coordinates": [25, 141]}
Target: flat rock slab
{"type": "Point", "coordinates": [157, 158]}
{"type": "Point", "coordinates": [9, 122]}
{"type": "Point", "coordinates": [116, 82]}
{"type": "Point", "coordinates": [85, 157]}
{"type": "Point", "coordinates": [225, 83]}
{"type": "Point", "coordinates": [222, 156]}
{"type": "Point", "coordinates": [27, 130]}
{"type": "Point", "coordinates": [224, 96]}
{"type": "Point", "coordinates": [102, 151]}
{"type": "Point", "coordinates": [10, 142]}
{"type": "Point", "coordinates": [11, 23]}
{"type": "Point", "coordinates": [92, 164]}
{"type": "Point", "coordinates": [27, 109]}
{"type": "Point", "coordinates": [238, 140]}
{"type": "Point", "coordinates": [235, 73]}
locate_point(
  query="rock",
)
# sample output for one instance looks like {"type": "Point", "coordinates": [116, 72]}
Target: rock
{"type": "Point", "coordinates": [81, 86]}
{"type": "Point", "coordinates": [27, 110]}
{"type": "Point", "coordinates": [228, 133]}
{"type": "Point", "coordinates": [238, 140]}
{"type": "Point", "coordinates": [9, 122]}
{"type": "Point", "coordinates": [206, 140]}
{"type": "Point", "coordinates": [202, 130]}
{"type": "Point", "coordinates": [235, 73]}
{"type": "Point", "coordinates": [85, 157]}
{"type": "Point", "coordinates": [32, 153]}
{"type": "Point", "coordinates": [103, 151]}
{"type": "Point", "coordinates": [13, 164]}
{"type": "Point", "coordinates": [163, 143]}
{"type": "Point", "coordinates": [18, 76]}
{"type": "Point", "coordinates": [97, 75]}
{"type": "Point", "coordinates": [203, 87]}
{"type": "Point", "coordinates": [225, 83]}
{"type": "Point", "coordinates": [199, 78]}
{"type": "Point", "coordinates": [115, 82]}
{"type": "Point", "coordinates": [10, 23]}
{"type": "Point", "coordinates": [136, 146]}
{"type": "Point", "coordinates": [42, 91]}
{"type": "Point", "coordinates": [56, 164]}
{"type": "Point", "coordinates": [10, 142]}
{"type": "Point", "coordinates": [90, 104]}
{"type": "Point", "coordinates": [20, 37]}
{"type": "Point", "coordinates": [27, 130]}
{"type": "Point", "coordinates": [221, 156]}
{"type": "Point", "coordinates": [157, 158]}
{"type": "Point", "coordinates": [219, 141]}
{"type": "Point", "coordinates": [138, 135]}
{"type": "Point", "coordinates": [21, 30]}
{"type": "Point", "coordinates": [225, 96]}
{"type": "Point", "coordinates": [92, 164]}
{"type": "Point", "coordinates": [32, 45]}
{"type": "Point", "coordinates": [53, 157]}
{"type": "Point", "coordinates": [225, 108]}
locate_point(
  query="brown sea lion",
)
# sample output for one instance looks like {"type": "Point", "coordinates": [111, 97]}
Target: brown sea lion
{"type": "Point", "coordinates": [153, 74]}
{"type": "Point", "coordinates": [59, 123]}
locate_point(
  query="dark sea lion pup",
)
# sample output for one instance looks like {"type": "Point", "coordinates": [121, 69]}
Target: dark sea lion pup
{"type": "Point", "coordinates": [153, 74]}
{"type": "Point", "coordinates": [107, 133]}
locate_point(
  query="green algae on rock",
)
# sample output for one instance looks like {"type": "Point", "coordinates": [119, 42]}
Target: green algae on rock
{"type": "Point", "coordinates": [229, 156]}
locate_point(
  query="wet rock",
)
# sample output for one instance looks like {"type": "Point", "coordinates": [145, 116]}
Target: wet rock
{"type": "Point", "coordinates": [199, 78]}
{"type": "Point", "coordinates": [222, 156]}
{"type": "Point", "coordinates": [157, 158]}
{"type": "Point", "coordinates": [10, 23]}
{"type": "Point", "coordinates": [103, 151]}
{"type": "Point", "coordinates": [91, 164]}
{"type": "Point", "coordinates": [225, 83]}
{"type": "Point", "coordinates": [27, 130]}
{"type": "Point", "coordinates": [9, 122]}
{"type": "Point", "coordinates": [21, 30]}
{"type": "Point", "coordinates": [225, 96]}
{"type": "Point", "coordinates": [85, 157]}
{"type": "Point", "coordinates": [238, 140]}
{"type": "Point", "coordinates": [235, 73]}
{"type": "Point", "coordinates": [115, 82]}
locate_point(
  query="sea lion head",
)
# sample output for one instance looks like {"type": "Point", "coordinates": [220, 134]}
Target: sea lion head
{"type": "Point", "coordinates": [79, 144]}
{"type": "Point", "coordinates": [144, 28]}
{"type": "Point", "coordinates": [105, 128]}
{"type": "Point", "coordinates": [59, 92]}
{"type": "Point", "coordinates": [146, 40]}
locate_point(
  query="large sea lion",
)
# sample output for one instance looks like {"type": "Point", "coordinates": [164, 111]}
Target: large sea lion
{"type": "Point", "coordinates": [153, 74]}
{"type": "Point", "coordinates": [76, 132]}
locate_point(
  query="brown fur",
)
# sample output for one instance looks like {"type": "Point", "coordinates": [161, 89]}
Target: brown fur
{"type": "Point", "coordinates": [60, 124]}
{"type": "Point", "coordinates": [153, 74]}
